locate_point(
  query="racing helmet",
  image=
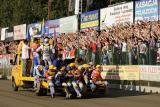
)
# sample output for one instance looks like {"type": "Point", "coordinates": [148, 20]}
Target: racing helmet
{"type": "Point", "coordinates": [52, 67]}
{"type": "Point", "coordinates": [72, 64]}
{"type": "Point", "coordinates": [85, 66]}
{"type": "Point", "coordinates": [40, 68]}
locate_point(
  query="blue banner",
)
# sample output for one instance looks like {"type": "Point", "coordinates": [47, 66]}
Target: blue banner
{"type": "Point", "coordinates": [34, 30]}
{"type": "Point", "coordinates": [146, 10]}
{"type": "Point", "coordinates": [90, 20]}
{"type": "Point", "coordinates": [52, 28]}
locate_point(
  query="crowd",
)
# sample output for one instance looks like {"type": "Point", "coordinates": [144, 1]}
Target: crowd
{"type": "Point", "coordinates": [122, 44]}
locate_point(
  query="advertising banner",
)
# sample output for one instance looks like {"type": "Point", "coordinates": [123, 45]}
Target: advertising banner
{"type": "Point", "coordinates": [146, 10]}
{"type": "Point", "coordinates": [69, 24]}
{"type": "Point", "coordinates": [116, 14]}
{"type": "Point", "coordinates": [20, 32]}
{"type": "Point", "coordinates": [3, 33]}
{"type": "Point", "coordinates": [150, 73]}
{"type": "Point", "coordinates": [90, 20]}
{"type": "Point", "coordinates": [35, 30]}
{"type": "Point", "coordinates": [9, 36]}
{"type": "Point", "coordinates": [121, 72]}
{"type": "Point", "coordinates": [52, 27]}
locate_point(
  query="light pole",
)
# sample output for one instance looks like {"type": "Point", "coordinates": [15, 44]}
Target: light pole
{"type": "Point", "coordinates": [80, 4]}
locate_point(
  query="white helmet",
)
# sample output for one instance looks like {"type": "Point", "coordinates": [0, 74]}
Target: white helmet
{"type": "Point", "coordinates": [46, 40]}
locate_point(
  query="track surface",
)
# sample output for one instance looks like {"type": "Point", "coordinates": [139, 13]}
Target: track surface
{"type": "Point", "coordinates": [117, 98]}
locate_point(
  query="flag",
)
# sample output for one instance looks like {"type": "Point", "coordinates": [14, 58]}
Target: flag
{"type": "Point", "coordinates": [55, 34]}
{"type": "Point", "coordinates": [43, 28]}
{"type": "Point", "coordinates": [28, 35]}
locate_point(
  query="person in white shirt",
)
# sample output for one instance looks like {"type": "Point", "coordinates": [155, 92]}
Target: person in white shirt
{"type": "Point", "coordinates": [143, 52]}
{"type": "Point", "coordinates": [47, 51]}
{"type": "Point", "coordinates": [124, 51]}
{"type": "Point", "coordinates": [25, 57]}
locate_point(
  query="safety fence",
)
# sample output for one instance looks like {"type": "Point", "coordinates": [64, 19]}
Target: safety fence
{"type": "Point", "coordinates": [116, 57]}
{"type": "Point", "coordinates": [5, 66]}
{"type": "Point", "coordinates": [132, 72]}
{"type": "Point", "coordinates": [145, 78]}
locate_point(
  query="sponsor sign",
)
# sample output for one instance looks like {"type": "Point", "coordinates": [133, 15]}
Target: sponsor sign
{"type": "Point", "coordinates": [3, 33]}
{"type": "Point", "coordinates": [121, 72]}
{"type": "Point", "coordinates": [146, 10]}
{"type": "Point", "coordinates": [150, 73]}
{"type": "Point", "coordinates": [52, 27]}
{"type": "Point", "coordinates": [69, 24]}
{"type": "Point", "coordinates": [35, 30]}
{"type": "Point", "coordinates": [116, 14]}
{"type": "Point", "coordinates": [20, 32]}
{"type": "Point", "coordinates": [90, 20]}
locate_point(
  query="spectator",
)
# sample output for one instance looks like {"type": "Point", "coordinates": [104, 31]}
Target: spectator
{"type": "Point", "coordinates": [142, 52]}
{"type": "Point", "coordinates": [25, 57]}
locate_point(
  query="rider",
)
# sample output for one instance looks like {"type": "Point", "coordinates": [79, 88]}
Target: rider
{"type": "Point", "coordinates": [77, 80]}
{"type": "Point", "coordinates": [62, 80]}
{"type": "Point", "coordinates": [50, 74]}
{"type": "Point", "coordinates": [97, 79]}
{"type": "Point", "coordinates": [47, 50]}
{"type": "Point", "coordinates": [38, 74]}
{"type": "Point", "coordinates": [86, 73]}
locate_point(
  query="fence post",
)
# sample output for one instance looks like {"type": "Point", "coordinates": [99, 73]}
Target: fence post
{"type": "Point", "coordinates": [112, 56]}
{"type": "Point", "coordinates": [149, 56]}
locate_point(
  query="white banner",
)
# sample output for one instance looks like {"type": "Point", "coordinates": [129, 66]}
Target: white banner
{"type": "Point", "coordinates": [3, 33]}
{"type": "Point", "coordinates": [69, 24]}
{"type": "Point", "coordinates": [150, 73]}
{"type": "Point", "coordinates": [116, 14]}
{"type": "Point", "coordinates": [20, 32]}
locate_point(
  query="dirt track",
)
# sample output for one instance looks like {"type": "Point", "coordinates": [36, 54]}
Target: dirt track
{"type": "Point", "coordinates": [117, 98]}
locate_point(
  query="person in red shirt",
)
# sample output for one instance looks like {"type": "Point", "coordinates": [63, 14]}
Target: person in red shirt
{"type": "Point", "coordinates": [93, 47]}
{"type": "Point", "coordinates": [97, 78]}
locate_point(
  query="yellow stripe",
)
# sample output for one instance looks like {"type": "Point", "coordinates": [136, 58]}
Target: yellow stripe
{"type": "Point", "coordinates": [27, 78]}
{"type": "Point", "coordinates": [89, 24]}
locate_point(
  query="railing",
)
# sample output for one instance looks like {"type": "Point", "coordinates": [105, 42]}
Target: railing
{"type": "Point", "coordinates": [117, 57]}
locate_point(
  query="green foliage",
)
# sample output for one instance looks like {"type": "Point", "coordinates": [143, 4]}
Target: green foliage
{"type": "Point", "coordinates": [15, 12]}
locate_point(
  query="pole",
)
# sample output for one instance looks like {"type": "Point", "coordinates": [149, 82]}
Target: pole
{"type": "Point", "coordinates": [81, 4]}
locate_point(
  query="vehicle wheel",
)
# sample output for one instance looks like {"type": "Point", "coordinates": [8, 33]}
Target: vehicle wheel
{"type": "Point", "coordinates": [106, 91]}
{"type": "Point", "coordinates": [39, 92]}
{"type": "Point", "coordinates": [14, 86]}
{"type": "Point", "coordinates": [44, 92]}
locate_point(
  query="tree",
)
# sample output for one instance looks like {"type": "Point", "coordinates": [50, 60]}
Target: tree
{"type": "Point", "coordinates": [15, 12]}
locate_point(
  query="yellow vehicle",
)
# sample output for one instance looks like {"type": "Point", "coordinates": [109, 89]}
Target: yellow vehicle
{"type": "Point", "coordinates": [16, 75]}
{"type": "Point", "coordinates": [18, 80]}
